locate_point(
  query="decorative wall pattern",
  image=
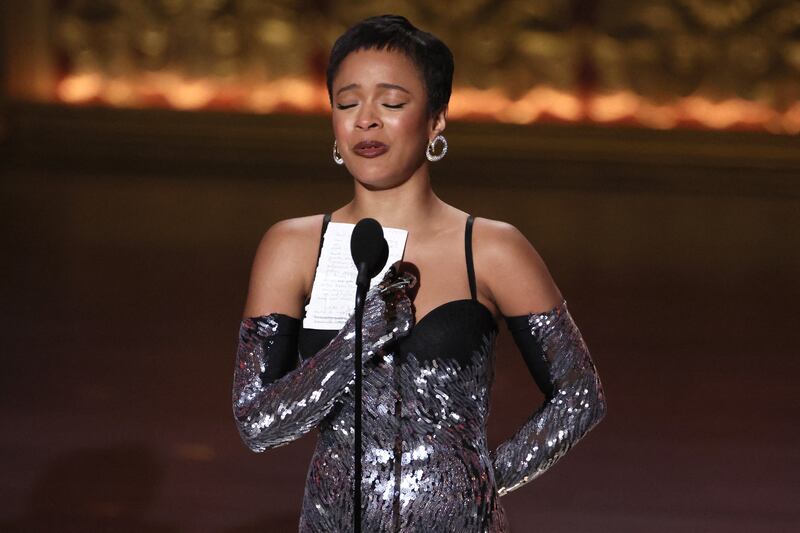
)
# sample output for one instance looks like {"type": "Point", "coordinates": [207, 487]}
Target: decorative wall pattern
{"type": "Point", "coordinates": [653, 63]}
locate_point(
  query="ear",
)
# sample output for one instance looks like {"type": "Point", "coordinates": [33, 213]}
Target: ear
{"type": "Point", "coordinates": [438, 123]}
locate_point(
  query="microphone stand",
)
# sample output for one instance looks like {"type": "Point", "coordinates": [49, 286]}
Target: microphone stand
{"type": "Point", "coordinates": [370, 252]}
{"type": "Point", "coordinates": [361, 292]}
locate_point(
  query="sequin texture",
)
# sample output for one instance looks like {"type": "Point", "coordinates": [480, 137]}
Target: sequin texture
{"type": "Point", "coordinates": [272, 413]}
{"type": "Point", "coordinates": [575, 401]}
{"type": "Point", "coordinates": [426, 464]}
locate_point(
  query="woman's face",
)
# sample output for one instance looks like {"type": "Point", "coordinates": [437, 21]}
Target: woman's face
{"type": "Point", "coordinates": [380, 117]}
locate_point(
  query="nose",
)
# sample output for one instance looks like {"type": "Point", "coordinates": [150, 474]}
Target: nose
{"type": "Point", "coordinates": [367, 119]}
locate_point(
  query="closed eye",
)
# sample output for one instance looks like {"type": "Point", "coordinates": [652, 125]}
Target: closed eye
{"type": "Point", "coordinates": [395, 106]}
{"type": "Point", "coordinates": [342, 106]}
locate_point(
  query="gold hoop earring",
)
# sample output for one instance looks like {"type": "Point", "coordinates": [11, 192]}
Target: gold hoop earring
{"type": "Point", "coordinates": [337, 157]}
{"type": "Point", "coordinates": [429, 152]}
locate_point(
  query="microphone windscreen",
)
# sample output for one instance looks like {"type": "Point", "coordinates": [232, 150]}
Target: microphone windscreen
{"type": "Point", "coordinates": [367, 245]}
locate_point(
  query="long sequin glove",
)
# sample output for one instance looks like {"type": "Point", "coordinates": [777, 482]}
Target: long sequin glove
{"type": "Point", "coordinates": [559, 362]}
{"type": "Point", "coordinates": [272, 409]}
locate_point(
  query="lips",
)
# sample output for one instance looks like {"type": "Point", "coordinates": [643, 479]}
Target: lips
{"type": "Point", "coordinates": [370, 148]}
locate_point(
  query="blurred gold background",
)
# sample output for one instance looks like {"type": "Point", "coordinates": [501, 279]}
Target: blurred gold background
{"type": "Point", "coordinates": [655, 63]}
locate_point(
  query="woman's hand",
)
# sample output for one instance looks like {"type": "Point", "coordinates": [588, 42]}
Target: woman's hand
{"type": "Point", "coordinates": [388, 314]}
{"type": "Point", "coordinates": [272, 412]}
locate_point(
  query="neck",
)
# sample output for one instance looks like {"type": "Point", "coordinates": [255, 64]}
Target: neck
{"type": "Point", "coordinates": [408, 206]}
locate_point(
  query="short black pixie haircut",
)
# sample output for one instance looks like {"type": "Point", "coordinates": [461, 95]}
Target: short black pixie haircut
{"type": "Point", "coordinates": [433, 58]}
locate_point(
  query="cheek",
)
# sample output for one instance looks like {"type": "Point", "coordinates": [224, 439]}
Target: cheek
{"type": "Point", "coordinates": [412, 128]}
{"type": "Point", "coordinates": [339, 128]}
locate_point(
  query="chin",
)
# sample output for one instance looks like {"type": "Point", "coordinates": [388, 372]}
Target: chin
{"type": "Point", "coordinates": [377, 184]}
{"type": "Point", "coordinates": [375, 180]}
{"type": "Point", "coordinates": [381, 178]}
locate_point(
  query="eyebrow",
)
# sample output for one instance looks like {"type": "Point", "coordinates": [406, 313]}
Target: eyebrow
{"type": "Point", "coordinates": [381, 85]}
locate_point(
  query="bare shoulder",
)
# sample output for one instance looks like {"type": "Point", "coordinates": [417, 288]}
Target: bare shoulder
{"type": "Point", "coordinates": [495, 230]}
{"type": "Point", "coordinates": [283, 266]}
{"type": "Point", "coordinates": [499, 242]}
{"type": "Point", "coordinates": [514, 275]}
{"type": "Point", "coordinates": [292, 231]}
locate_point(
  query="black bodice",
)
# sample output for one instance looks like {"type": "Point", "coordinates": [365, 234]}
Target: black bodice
{"type": "Point", "coordinates": [452, 330]}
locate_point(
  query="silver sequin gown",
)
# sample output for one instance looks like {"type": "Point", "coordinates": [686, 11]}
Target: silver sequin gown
{"type": "Point", "coordinates": [426, 463]}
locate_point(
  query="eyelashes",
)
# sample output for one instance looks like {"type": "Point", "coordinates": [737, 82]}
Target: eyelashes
{"type": "Point", "coordinates": [390, 106]}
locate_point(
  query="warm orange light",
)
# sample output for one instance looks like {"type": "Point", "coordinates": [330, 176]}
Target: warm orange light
{"type": "Point", "coordinates": [80, 88]}
{"type": "Point", "coordinates": [791, 119]}
{"type": "Point", "coordinates": [118, 92]}
{"type": "Point", "coordinates": [612, 107]}
{"type": "Point", "coordinates": [540, 103]}
{"type": "Point", "coordinates": [721, 115]}
{"type": "Point", "coordinates": [295, 93]}
{"type": "Point", "coordinates": [477, 103]}
{"type": "Point", "coordinates": [186, 94]}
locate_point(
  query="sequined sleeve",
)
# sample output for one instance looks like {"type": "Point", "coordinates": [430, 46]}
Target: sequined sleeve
{"type": "Point", "coordinates": [559, 362]}
{"type": "Point", "coordinates": [274, 406]}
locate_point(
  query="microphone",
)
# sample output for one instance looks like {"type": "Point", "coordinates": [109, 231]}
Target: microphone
{"type": "Point", "coordinates": [370, 252]}
{"type": "Point", "coordinates": [369, 249]}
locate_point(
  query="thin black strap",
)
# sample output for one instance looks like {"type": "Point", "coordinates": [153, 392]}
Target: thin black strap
{"type": "Point", "coordinates": [470, 267]}
{"type": "Point", "coordinates": [325, 220]}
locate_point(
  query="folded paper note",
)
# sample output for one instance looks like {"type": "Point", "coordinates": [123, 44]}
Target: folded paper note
{"type": "Point", "coordinates": [333, 294]}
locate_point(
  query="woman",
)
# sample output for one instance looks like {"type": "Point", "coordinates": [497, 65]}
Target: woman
{"type": "Point", "coordinates": [428, 365]}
